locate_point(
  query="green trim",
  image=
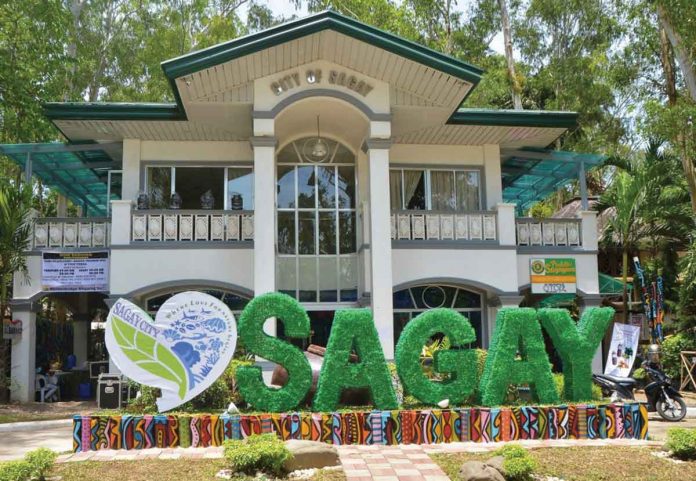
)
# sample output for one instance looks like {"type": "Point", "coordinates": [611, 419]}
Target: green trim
{"type": "Point", "coordinates": [327, 20]}
{"type": "Point", "coordinates": [112, 111]}
{"type": "Point", "coordinates": [514, 118]}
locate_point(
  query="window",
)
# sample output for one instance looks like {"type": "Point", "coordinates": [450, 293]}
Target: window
{"type": "Point", "coordinates": [408, 303]}
{"type": "Point", "coordinates": [435, 189]}
{"type": "Point", "coordinates": [316, 237]}
{"type": "Point", "coordinates": [230, 187]}
{"type": "Point", "coordinates": [236, 302]}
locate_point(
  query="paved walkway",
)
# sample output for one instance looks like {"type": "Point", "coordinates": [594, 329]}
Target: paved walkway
{"type": "Point", "coordinates": [360, 463]}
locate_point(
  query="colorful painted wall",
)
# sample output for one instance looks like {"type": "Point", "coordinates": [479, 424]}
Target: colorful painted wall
{"type": "Point", "coordinates": [611, 421]}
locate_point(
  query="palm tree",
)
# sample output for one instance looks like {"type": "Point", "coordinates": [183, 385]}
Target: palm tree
{"type": "Point", "coordinates": [647, 204]}
{"type": "Point", "coordinates": [15, 228]}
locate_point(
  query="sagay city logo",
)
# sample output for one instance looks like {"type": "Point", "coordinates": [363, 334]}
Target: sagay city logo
{"type": "Point", "coordinates": [183, 351]}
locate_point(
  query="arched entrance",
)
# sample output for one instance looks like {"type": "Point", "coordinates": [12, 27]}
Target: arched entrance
{"type": "Point", "coordinates": [411, 301]}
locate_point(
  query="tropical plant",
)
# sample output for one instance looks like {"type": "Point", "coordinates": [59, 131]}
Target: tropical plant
{"type": "Point", "coordinates": [15, 227]}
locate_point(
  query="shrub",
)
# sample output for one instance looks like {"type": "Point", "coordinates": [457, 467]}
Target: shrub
{"type": "Point", "coordinates": [41, 461]}
{"type": "Point", "coordinates": [15, 471]}
{"type": "Point", "coordinates": [671, 347]}
{"type": "Point", "coordinates": [35, 465]}
{"type": "Point", "coordinates": [263, 452]}
{"type": "Point", "coordinates": [682, 443]}
{"type": "Point", "coordinates": [230, 379]}
{"type": "Point", "coordinates": [518, 464]}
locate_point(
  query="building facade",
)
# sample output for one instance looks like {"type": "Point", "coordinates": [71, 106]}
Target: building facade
{"type": "Point", "coordinates": [322, 158]}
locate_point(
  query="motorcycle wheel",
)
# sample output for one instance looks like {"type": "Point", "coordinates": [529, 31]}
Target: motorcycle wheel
{"type": "Point", "coordinates": [673, 413]}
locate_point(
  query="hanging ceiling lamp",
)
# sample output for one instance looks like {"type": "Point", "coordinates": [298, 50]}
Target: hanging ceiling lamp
{"type": "Point", "coordinates": [316, 150]}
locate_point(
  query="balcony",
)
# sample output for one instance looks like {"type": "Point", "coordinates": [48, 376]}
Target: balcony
{"type": "Point", "coordinates": [548, 232]}
{"type": "Point", "coordinates": [54, 232]}
{"type": "Point", "coordinates": [417, 225]}
{"type": "Point", "coordinates": [192, 226]}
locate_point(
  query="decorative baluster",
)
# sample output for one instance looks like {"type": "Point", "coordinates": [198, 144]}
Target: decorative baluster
{"type": "Point", "coordinates": [248, 227]}
{"type": "Point", "coordinates": [139, 227]}
{"type": "Point", "coordinates": [462, 227]}
{"type": "Point", "coordinates": [233, 232]}
{"type": "Point", "coordinates": [432, 225]}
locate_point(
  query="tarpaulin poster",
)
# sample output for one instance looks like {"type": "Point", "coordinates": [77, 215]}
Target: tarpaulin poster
{"type": "Point", "coordinates": [622, 352]}
{"type": "Point", "coordinates": [75, 271]}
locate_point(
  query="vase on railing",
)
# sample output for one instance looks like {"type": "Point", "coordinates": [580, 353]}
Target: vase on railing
{"type": "Point", "coordinates": [175, 201]}
{"type": "Point", "coordinates": [143, 201]}
{"type": "Point", "coordinates": [207, 200]}
{"type": "Point", "coordinates": [236, 201]}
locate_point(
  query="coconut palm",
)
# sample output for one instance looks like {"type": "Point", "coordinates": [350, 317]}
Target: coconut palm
{"type": "Point", "coordinates": [15, 208]}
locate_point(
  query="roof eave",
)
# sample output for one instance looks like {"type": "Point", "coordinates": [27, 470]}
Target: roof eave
{"type": "Point", "coordinates": [515, 118]}
{"type": "Point", "coordinates": [327, 20]}
{"type": "Point", "coordinates": [112, 111]}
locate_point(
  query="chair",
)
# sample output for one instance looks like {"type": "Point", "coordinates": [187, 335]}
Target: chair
{"type": "Point", "coordinates": [46, 392]}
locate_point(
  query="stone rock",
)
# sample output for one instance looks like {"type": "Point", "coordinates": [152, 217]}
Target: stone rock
{"type": "Point", "coordinates": [478, 471]}
{"type": "Point", "coordinates": [310, 454]}
{"type": "Point", "coordinates": [497, 463]}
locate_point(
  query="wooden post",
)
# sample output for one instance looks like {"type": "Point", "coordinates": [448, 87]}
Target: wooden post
{"type": "Point", "coordinates": [687, 367]}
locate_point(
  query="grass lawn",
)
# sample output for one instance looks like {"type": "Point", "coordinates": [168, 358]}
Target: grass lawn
{"type": "Point", "coordinates": [16, 417]}
{"type": "Point", "coordinates": [158, 469]}
{"type": "Point", "coordinates": [589, 464]}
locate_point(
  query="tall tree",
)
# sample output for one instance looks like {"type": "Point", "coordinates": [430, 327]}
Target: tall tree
{"type": "Point", "coordinates": [515, 87]}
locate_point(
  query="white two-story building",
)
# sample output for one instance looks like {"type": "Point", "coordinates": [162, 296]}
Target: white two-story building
{"type": "Point", "coordinates": [322, 158]}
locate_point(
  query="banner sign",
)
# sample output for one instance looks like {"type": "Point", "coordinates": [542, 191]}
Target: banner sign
{"type": "Point", "coordinates": [182, 352]}
{"type": "Point", "coordinates": [553, 276]}
{"type": "Point", "coordinates": [75, 271]}
{"type": "Point", "coordinates": [622, 352]}
{"type": "Point", "coordinates": [11, 328]}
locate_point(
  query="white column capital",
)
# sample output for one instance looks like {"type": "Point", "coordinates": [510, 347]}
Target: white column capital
{"type": "Point", "coordinates": [378, 144]}
{"type": "Point", "coordinates": [380, 129]}
{"type": "Point", "coordinates": [263, 141]}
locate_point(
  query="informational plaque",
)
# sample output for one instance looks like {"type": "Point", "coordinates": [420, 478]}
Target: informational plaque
{"type": "Point", "coordinates": [75, 271]}
{"type": "Point", "coordinates": [553, 276]}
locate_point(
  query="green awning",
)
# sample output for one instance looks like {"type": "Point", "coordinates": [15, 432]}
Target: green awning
{"type": "Point", "coordinates": [608, 286]}
{"type": "Point", "coordinates": [530, 175]}
{"type": "Point", "coordinates": [79, 172]}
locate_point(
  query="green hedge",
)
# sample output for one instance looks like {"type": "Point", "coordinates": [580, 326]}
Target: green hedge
{"type": "Point", "coordinates": [576, 344]}
{"type": "Point", "coordinates": [682, 443]}
{"type": "Point", "coordinates": [296, 323]}
{"type": "Point", "coordinates": [671, 347]}
{"type": "Point", "coordinates": [354, 329]}
{"type": "Point", "coordinates": [35, 466]}
{"type": "Point", "coordinates": [263, 452]}
{"type": "Point", "coordinates": [518, 464]}
{"type": "Point", "coordinates": [517, 331]}
{"type": "Point", "coordinates": [460, 364]}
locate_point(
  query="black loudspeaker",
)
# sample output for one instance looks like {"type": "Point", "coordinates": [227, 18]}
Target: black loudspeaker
{"type": "Point", "coordinates": [109, 391]}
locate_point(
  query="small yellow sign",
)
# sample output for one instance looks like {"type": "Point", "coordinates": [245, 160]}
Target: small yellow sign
{"type": "Point", "coordinates": [553, 276]}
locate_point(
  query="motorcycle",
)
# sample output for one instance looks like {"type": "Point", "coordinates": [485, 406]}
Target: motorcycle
{"type": "Point", "coordinates": [662, 397]}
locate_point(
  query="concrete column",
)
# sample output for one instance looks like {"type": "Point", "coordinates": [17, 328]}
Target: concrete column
{"type": "Point", "coordinates": [588, 230]}
{"type": "Point", "coordinates": [23, 362]}
{"type": "Point", "coordinates": [121, 222]}
{"type": "Point", "coordinates": [588, 301]}
{"type": "Point", "coordinates": [510, 300]}
{"type": "Point", "coordinates": [131, 169]}
{"type": "Point", "coordinates": [507, 234]}
{"type": "Point", "coordinates": [493, 181]}
{"type": "Point", "coordinates": [380, 243]}
{"type": "Point", "coordinates": [264, 218]}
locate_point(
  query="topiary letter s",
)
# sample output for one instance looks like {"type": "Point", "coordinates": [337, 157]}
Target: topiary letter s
{"type": "Point", "coordinates": [461, 364]}
{"type": "Point", "coordinates": [354, 329]}
{"type": "Point", "coordinates": [517, 329]}
{"type": "Point", "coordinates": [576, 345]}
{"type": "Point", "coordinates": [296, 322]}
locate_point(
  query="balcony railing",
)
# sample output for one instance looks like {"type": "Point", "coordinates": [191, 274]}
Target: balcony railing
{"type": "Point", "coordinates": [192, 226]}
{"type": "Point", "coordinates": [430, 225]}
{"type": "Point", "coordinates": [54, 232]}
{"type": "Point", "coordinates": [548, 232]}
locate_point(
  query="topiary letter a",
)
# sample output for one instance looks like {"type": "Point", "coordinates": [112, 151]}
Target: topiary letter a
{"type": "Point", "coordinates": [517, 330]}
{"type": "Point", "coordinates": [354, 329]}
{"type": "Point", "coordinates": [576, 345]}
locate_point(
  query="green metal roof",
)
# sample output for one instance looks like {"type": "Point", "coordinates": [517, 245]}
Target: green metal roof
{"type": "Point", "coordinates": [530, 175]}
{"type": "Point", "coordinates": [112, 111]}
{"type": "Point", "coordinates": [79, 172]}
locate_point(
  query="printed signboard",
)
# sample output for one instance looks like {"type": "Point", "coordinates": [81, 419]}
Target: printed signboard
{"type": "Point", "coordinates": [622, 352]}
{"type": "Point", "coordinates": [553, 276]}
{"type": "Point", "coordinates": [183, 351]}
{"type": "Point", "coordinates": [11, 328]}
{"type": "Point", "coordinates": [75, 271]}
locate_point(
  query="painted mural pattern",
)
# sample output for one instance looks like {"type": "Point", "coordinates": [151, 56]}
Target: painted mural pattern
{"type": "Point", "coordinates": [372, 427]}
